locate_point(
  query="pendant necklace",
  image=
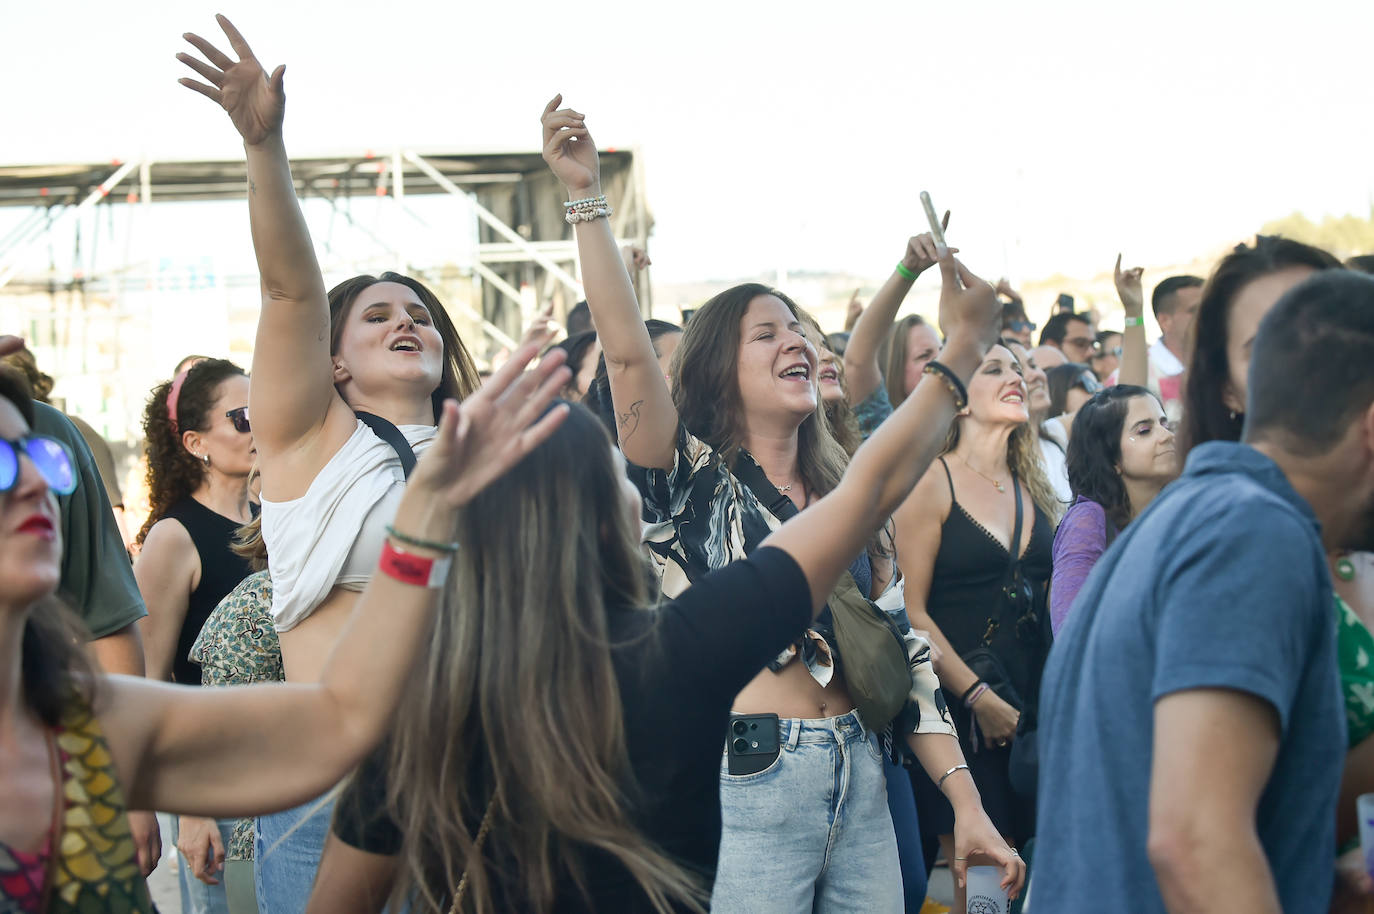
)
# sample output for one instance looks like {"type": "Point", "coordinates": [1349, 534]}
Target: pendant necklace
{"type": "Point", "coordinates": [997, 483]}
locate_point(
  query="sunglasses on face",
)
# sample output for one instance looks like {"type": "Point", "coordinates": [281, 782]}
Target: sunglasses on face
{"type": "Point", "coordinates": [240, 419]}
{"type": "Point", "coordinates": [49, 456]}
{"type": "Point", "coordinates": [1101, 353]}
{"type": "Point", "coordinates": [1021, 326]}
{"type": "Point", "coordinates": [1089, 382]}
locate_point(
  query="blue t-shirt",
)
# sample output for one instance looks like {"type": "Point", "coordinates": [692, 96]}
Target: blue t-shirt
{"type": "Point", "coordinates": [1221, 583]}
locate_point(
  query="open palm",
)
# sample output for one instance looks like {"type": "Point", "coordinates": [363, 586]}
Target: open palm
{"type": "Point", "coordinates": [255, 101]}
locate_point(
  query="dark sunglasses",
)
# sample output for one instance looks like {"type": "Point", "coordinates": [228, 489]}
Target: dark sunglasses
{"type": "Point", "coordinates": [1089, 382]}
{"type": "Point", "coordinates": [1021, 326]}
{"type": "Point", "coordinates": [240, 419]}
{"type": "Point", "coordinates": [50, 456]}
{"type": "Point", "coordinates": [1100, 353]}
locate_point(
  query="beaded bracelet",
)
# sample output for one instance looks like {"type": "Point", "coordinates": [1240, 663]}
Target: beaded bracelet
{"type": "Point", "coordinates": [585, 201]}
{"type": "Point", "coordinates": [422, 543]}
{"type": "Point", "coordinates": [956, 387]}
{"type": "Point", "coordinates": [940, 784]}
{"type": "Point", "coordinates": [906, 274]}
{"type": "Point", "coordinates": [1135, 321]}
{"type": "Point", "coordinates": [575, 216]}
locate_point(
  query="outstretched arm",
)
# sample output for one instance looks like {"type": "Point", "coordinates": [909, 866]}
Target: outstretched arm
{"type": "Point", "coordinates": [862, 373]}
{"type": "Point", "coordinates": [1135, 354]}
{"type": "Point", "coordinates": [646, 420]}
{"type": "Point", "coordinates": [825, 538]}
{"type": "Point", "coordinates": [293, 397]}
{"type": "Point", "coordinates": [242, 750]}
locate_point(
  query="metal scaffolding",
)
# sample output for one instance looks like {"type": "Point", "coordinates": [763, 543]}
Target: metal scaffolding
{"type": "Point", "coordinates": [511, 199]}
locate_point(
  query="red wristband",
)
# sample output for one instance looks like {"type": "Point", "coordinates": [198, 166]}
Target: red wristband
{"type": "Point", "coordinates": [409, 568]}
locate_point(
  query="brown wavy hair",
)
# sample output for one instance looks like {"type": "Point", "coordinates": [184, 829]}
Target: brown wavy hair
{"type": "Point", "coordinates": [40, 382]}
{"type": "Point", "coordinates": [459, 378]}
{"type": "Point", "coordinates": [173, 473]}
{"type": "Point", "coordinates": [1024, 460]}
{"type": "Point", "coordinates": [522, 651]}
{"type": "Point", "coordinates": [707, 396]}
{"type": "Point", "coordinates": [52, 658]}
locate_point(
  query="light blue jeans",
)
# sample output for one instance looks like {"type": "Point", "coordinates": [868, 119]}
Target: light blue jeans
{"type": "Point", "coordinates": [286, 855]}
{"type": "Point", "coordinates": [196, 896]}
{"type": "Point", "coordinates": [811, 832]}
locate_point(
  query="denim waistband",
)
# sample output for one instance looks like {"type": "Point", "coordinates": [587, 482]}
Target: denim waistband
{"type": "Point", "coordinates": [846, 728]}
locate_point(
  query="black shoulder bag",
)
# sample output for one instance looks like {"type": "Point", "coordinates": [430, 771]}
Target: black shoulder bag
{"type": "Point", "coordinates": [871, 647]}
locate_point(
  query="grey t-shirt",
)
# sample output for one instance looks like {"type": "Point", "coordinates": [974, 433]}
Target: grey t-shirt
{"type": "Point", "coordinates": [97, 578]}
{"type": "Point", "coordinates": [1221, 583]}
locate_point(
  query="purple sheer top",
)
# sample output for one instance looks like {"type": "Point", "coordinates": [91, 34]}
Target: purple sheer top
{"type": "Point", "coordinates": [1078, 544]}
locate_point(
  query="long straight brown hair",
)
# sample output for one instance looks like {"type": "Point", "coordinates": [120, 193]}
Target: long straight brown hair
{"type": "Point", "coordinates": [707, 395]}
{"type": "Point", "coordinates": [515, 712]}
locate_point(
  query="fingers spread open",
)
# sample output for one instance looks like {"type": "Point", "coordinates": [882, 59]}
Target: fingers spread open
{"type": "Point", "coordinates": [538, 433]}
{"type": "Point", "coordinates": [212, 53]}
{"type": "Point", "coordinates": [214, 74]}
{"type": "Point", "coordinates": [509, 372]}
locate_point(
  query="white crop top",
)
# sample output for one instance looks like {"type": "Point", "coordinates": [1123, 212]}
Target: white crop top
{"type": "Point", "coordinates": [332, 535]}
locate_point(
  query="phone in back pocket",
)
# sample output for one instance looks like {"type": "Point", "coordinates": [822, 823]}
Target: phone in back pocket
{"type": "Point", "coordinates": [753, 743]}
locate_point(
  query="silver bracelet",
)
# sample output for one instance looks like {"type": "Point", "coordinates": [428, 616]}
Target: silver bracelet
{"type": "Point", "coordinates": [940, 784]}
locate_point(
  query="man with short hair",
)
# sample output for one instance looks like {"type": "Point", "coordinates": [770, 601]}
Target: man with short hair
{"type": "Point", "coordinates": [1191, 726]}
{"type": "Point", "coordinates": [1175, 302]}
{"type": "Point", "coordinates": [1071, 334]}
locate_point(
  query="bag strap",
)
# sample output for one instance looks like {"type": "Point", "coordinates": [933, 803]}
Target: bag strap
{"type": "Point", "coordinates": [1015, 556]}
{"type": "Point", "coordinates": [392, 436]}
{"type": "Point", "coordinates": [748, 471]}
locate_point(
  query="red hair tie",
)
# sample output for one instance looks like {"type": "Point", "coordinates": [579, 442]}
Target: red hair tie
{"type": "Point", "coordinates": [173, 396]}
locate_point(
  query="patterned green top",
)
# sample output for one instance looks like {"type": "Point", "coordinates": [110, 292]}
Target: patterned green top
{"type": "Point", "coordinates": [239, 645]}
{"type": "Point", "coordinates": [1355, 655]}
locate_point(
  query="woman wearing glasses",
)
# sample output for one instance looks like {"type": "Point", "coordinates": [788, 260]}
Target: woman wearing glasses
{"type": "Point", "coordinates": [200, 452]}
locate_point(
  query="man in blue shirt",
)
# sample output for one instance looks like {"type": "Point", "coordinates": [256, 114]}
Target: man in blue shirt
{"type": "Point", "coordinates": [1191, 732]}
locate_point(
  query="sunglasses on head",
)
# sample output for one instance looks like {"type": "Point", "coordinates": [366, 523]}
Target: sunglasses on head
{"type": "Point", "coordinates": [240, 419]}
{"type": "Point", "coordinates": [49, 456]}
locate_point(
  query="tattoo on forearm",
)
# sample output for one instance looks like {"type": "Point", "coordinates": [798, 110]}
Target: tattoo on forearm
{"type": "Point", "coordinates": [629, 421]}
{"type": "Point", "coordinates": [252, 188]}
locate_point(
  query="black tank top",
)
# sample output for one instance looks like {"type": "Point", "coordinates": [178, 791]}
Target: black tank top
{"type": "Point", "coordinates": [220, 572]}
{"type": "Point", "coordinates": [967, 591]}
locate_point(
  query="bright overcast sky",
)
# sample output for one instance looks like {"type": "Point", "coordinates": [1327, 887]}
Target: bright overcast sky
{"type": "Point", "coordinates": [793, 135]}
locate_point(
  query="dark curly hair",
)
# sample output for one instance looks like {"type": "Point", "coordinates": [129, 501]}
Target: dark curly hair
{"type": "Point", "coordinates": [459, 378]}
{"type": "Point", "coordinates": [1095, 451]}
{"type": "Point", "coordinates": [1206, 417]}
{"type": "Point", "coordinates": [173, 473]}
{"type": "Point", "coordinates": [53, 663]}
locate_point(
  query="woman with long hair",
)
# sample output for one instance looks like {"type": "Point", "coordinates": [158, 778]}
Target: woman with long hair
{"type": "Point", "coordinates": [79, 749]}
{"type": "Point", "coordinates": [199, 453]}
{"type": "Point", "coordinates": [347, 387]}
{"type": "Point", "coordinates": [743, 406]}
{"type": "Point", "coordinates": [1120, 457]}
{"type": "Point", "coordinates": [973, 542]}
{"type": "Point", "coordinates": [1243, 288]}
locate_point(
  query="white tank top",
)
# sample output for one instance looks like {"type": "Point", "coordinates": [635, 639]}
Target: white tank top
{"type": "Point", "coordinates": [332, 535]}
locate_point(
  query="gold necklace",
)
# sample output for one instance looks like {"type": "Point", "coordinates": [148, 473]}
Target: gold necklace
{"type": "Point", "coordinates": [995, 482]}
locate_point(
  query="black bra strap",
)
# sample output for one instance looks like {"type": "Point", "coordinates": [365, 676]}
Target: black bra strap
{"type": "Point", "coordinates": [948, 478]}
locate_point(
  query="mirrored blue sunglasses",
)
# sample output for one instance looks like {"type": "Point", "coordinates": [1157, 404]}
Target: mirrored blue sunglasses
{"type": "Point", "coordinates": [50, 456]}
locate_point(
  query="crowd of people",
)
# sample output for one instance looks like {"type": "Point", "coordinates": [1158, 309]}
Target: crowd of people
{"type": "Point", "coordinates": [736, 615]}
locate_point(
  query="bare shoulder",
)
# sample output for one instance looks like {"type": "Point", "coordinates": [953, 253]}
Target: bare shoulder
{"type": "Point", "coordinates": [930, 500]}
{"type": "Point", "coordinates": [167, 545]}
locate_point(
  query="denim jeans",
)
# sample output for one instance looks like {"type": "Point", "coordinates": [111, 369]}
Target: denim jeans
{"type": "Point", "coordinates": [811, 832]}
{"type": "Point", "coordinates": [286, 855]}
{"type": "Point", "coordinates": [901, 803]}
{"type": "Point", "coordinates": [196, 896]}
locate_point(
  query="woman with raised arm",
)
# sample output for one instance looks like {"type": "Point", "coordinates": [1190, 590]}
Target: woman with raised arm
{"type": "Point", "coordinates": [78, 749]}
{"type": "Point", "coordinates": [347, 388]}
{"type": "Point", "coordinates": [973, 542]}
{"type": "Point", "coordinates": [737, 442]}
{"type": "Point", "coordinates": [909, 345]}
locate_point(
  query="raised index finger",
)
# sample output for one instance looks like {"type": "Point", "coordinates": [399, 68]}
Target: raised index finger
{"type": "Point", "coordinates": [236, 41]}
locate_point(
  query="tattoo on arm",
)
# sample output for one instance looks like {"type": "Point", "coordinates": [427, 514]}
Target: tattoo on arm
{"type": "Point", "coordinates": [629, 421]}
{"type": "Point", "coordinates": [252, 188]}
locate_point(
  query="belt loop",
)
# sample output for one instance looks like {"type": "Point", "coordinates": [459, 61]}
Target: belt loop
{"type": "Point", "coordinates": [793, 733]}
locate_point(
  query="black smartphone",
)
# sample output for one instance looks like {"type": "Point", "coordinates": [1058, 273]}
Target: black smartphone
{"type": "Point", "coordinates": [1065, 303]}
{"type": "Point", "coordinates": [753, 743]}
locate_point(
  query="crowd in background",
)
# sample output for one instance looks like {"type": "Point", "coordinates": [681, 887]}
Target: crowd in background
{"type": "Point", "coordinates": [736, 615]}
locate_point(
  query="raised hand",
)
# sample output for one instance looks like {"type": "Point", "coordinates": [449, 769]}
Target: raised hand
{"type": "Point", "coordinates": [255, 101]}
{"type": "Point", "coordinates": [541, 328]}
{"type": "Point", "coordinates": [636, 258]}
{"type": "Point", "coordinates": [853, 311]}
{"type": "Point", "coordinates": [1130, 289]}
{"type": "Point", "coordinates": [921, 254]}
{"type": "Point", "coordinates": [493, 429]}
{"type": "Point", "coordinates": [968, 305]}
{"type": "Point", "coordinates": [569, 150]}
